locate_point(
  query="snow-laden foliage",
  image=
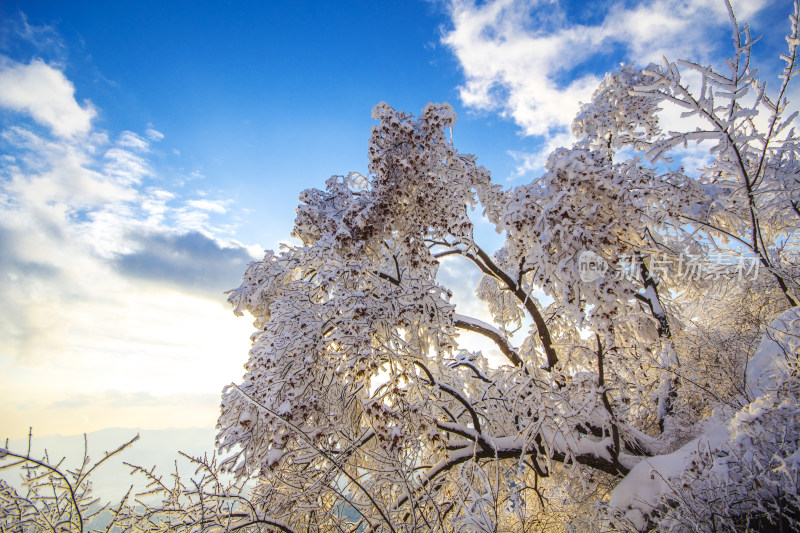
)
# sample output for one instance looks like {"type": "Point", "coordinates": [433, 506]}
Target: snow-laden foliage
{"type": "Point", "coordinates": [627, 301]}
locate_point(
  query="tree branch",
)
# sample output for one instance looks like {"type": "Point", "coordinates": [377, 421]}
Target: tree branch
{"type": "Point", "coordinates": [486, 264]}
{"type": "Point", "coordinates": [455, 394]}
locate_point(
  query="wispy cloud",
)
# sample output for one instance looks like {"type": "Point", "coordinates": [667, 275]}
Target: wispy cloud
{"type": "Point", "coordinates": [534, 62]}
{"type": "Point", "coordinates": [212, 206]}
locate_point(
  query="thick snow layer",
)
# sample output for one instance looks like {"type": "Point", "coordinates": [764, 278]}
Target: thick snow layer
{"type": "Point", "coordinates": [639, 493]}
{"type": "Point", "coordinates": [769, 361]}
{"type": "Point", "coordinates": [480, 324]}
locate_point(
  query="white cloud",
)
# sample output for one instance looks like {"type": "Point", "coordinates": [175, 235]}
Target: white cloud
{"type": "Point", "coordinates": [218, 206]}
{"type": "Point", "coordinates": [125, 166]}
{"type": "Point", "coordinates": [511, 68]}
{"type": "Point", "coordinates": [154, 134]}
{"type": "Point", "coordinates": [128, 139]}
{"type": "Point", "coordinates": [527, 60]}
{"type": "Point", "coordinates": [43, 91]}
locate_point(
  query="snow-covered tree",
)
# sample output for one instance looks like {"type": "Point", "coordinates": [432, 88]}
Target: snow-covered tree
{"type": "Point", "coordinates": [364, 409]}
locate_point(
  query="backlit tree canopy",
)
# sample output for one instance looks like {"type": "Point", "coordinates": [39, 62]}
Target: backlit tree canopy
{"type": "Point", "coordinates": [644, 371]}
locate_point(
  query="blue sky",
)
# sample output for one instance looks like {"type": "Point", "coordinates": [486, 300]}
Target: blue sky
{"type": "Point", "coordinates": [148, 150]}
